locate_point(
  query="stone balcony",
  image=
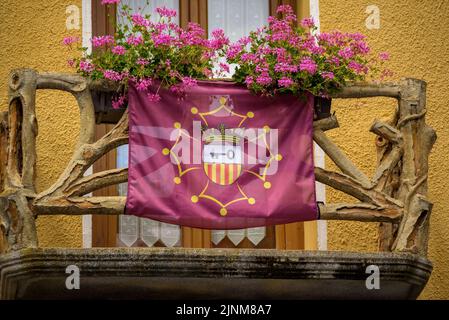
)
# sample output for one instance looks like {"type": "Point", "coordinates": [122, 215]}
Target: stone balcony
{"type": "Point", "coordinates": [161, 273]}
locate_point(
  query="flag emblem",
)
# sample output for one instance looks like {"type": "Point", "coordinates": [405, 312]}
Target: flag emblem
{"type": "Point", "coordinates": [223, 173]}
{"type": "Point", "coordinates": [222, 159]}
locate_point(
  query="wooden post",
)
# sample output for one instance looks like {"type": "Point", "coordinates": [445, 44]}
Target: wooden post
{"type": "Point", "coordinates": [17, 225]}
{"type": "Point", "coordinates": [418, 142]}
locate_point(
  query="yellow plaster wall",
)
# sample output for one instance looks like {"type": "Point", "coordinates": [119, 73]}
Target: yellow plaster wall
{"type": "Point", "coordinates": [416, 34]}
{"type": "Point", "coordinates": [30, 35]}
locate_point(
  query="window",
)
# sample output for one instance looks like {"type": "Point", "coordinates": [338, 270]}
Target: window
{"type": "Point", "coordinates": [237, 18]}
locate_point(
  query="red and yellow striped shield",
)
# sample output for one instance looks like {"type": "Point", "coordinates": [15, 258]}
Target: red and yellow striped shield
{"type": "Point", "coordinates": [223, 173]}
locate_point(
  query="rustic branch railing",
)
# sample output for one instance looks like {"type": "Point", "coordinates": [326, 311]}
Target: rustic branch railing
{"type": "Point", "coordinates": [394, 196]}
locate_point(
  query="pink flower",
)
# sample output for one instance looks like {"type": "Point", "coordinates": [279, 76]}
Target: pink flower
{"type": "Point", "coordinates": [328, 75]}
{"type": "Point", "coordinates": [285, 82]}
{"type": "Point", "coordinates": [118, 102]}
{"type": "Point", "coordinates": [287, 11]}
{"type": "Point", "coordinates": [357, 67]}
{"type": "Point", "coordinates": [361, 47]}
{"type": "Point", "coordinates": [153, 97]}
{"type": "Point", "coordinates": [247, 57]}
{"type": "Point", "coordinates": [285, 67]}
{"type": "Point", "coordinates": [165, 12]}
{"type": "Point", "coordinates": [308, 65]}
{"type": "Point", "coordinates": [244, 41]}
{"type": "Point", "coordinates": [139, 20]}
{"type": "Point", "coordinates": [102, 40]}
{"type": "Point", "coordinates": [86, 66]}
{"type": "Point", "coordinates": [346, 53]}
{"type": "Point", "coordinates": [249, 80]}
{"type": "Point", "coordinates": [143, 84]}
{"type": "Point", "coordinates": [262, 67]}
{"type": "Point", "coordinates": [384, 56]}
{"type": "Point", "coordinates": [71, 62]}
{"type": "Point", "coordinates": [218, 39]}
{"type": "Point", "coordinates": [188, 82]}
{"type": "Point", "coordinates": [112, 75]}
{"type": "Point", "coordinates": [118, 50]}
{"type": "Point", "coordinates": [109, 1]}
{"type": "Point", "coordinates": [334, 61]}
{"type": "Point", "coordinates": [193, 35]}
{"type": "Point", "coordinates": [67, 41]}
{"type": "Point", "coordinates": [317, 50]}
{"type": "Point", "coordinates": [162, 39]}
{"type": "Point", "coordinates": [307, 23]}
{"type": "Point", "coordinates": [356, 36]}
{"type": "Point", "coordinates": [134, 40]}
{"type": "Point", "coordinates": [264, 79]}
{"type": "Point", "coordinates": [282, 55]}
{"type": "Point", "coordinates": [142, 61]}
{"type": "Point", "coordinates": [224, 67]}
{"type": "Point", "coordinates": [218, 33]}
{"type": "Point", "coordinates": [233, 51]}
{"type": "Point", "coordinates": [285, 8]}
{"type": "Point", "coordinates": [160, 27]}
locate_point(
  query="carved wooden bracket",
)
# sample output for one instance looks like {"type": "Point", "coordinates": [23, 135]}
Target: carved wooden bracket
{"type": "Point", "coordinates": [394, 196]}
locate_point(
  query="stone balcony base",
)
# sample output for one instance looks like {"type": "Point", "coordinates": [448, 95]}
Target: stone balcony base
{"type": "Point", "coordinates": [161, 273]}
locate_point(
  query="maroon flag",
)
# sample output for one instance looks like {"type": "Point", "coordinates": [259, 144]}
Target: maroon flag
{"type": "Point", "coordinates": [221, 158]}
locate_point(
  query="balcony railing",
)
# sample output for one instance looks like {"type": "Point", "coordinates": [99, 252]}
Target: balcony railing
{"type": "Point", "coordinates": [395, 195]}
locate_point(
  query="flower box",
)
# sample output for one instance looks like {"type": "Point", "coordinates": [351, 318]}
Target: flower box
{"type": "Point", "coordinates": [322, 107]}
{"type": "Point", "coordinates": [106, 114]}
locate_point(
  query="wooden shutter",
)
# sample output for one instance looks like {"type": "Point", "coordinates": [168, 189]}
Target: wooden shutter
{"type": "Point", "coordinates": [104, 228]}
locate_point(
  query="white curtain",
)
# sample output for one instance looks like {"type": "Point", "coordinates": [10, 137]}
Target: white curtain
{"type": "Point", "coordinates": [237, 18]}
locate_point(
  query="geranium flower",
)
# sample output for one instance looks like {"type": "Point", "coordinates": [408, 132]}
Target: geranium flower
{"type": "Point", "coordinates": [165, 12]}
{"type": "Point", "coordinates": [118, 50]}
{"type": "Point", "coordinates": [70, 40]}
{"type": "Point", "coordinates": [308, 65]}
{"type": "Point", "coordinates": [102, 41]}
{"type": "Point", "coordinates": [86, 66]}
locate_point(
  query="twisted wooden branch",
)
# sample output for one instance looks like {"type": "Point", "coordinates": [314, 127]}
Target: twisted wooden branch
{"type": "Point", "coordinates": [365, 90]}
{"type": "Point", "coordinates": [340, 158]}
{"type": "Point", "coordinates": [326, 123]}
{"type": "Point", "coordinates": [359, 212]}
{"type": "Point", "coordinates": [116, 205]}
{"type": "Point", "coordinates": [72, 181]}
{"type": "Point", "coordinates": [80, 206]}
{"type": "Point", "coordinates": [354, 188]}
{"type": "Point", "coordinates": [387, 164]}
{"type": "Point", "coordinates": [386, 131]}
{"type": "Point", "coordinates": [97, 181]}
